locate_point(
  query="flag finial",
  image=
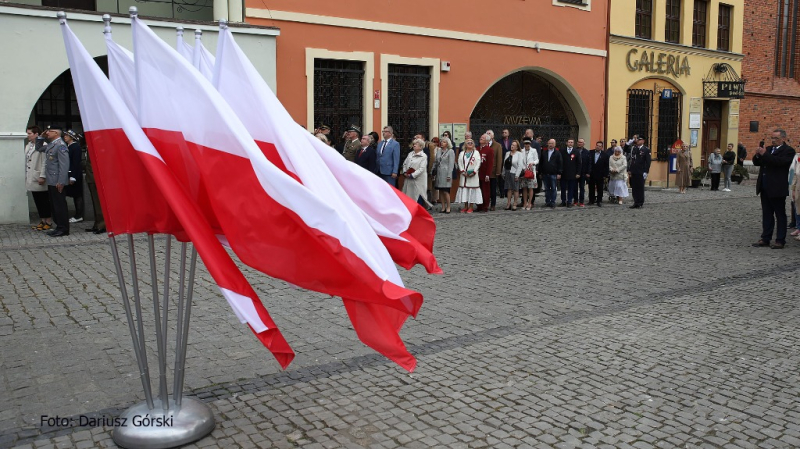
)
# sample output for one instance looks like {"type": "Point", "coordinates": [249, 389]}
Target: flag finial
{"type": "Point", "coordinates": [107, 24]}
{"type": "Point", "coordinates": [223, 24]}
{"type": "Point", "coordinates": [198, 34]}
{"type": "Point", "coordinates": [62, 17]}
{"type": "Point", "coordinates": [179, 30]}
{"type": "Point", "coordinates": [133, 11]}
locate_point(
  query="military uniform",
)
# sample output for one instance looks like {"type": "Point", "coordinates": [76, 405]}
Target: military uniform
{"type": "Point", "coordinates": [638, 168]}
{"type": "Point", "coordinates": [351, 148]}
{"type": "Point", "coordinates": [99, 222]}
{"type": "Point", "coordinates": [57, 173]}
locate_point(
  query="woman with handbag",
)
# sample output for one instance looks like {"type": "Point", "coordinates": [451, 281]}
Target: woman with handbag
{"type": "Point", "coordinates": [443, 172]}
{"type": "Point", "coordinates": [528, 180]}
{"type": "Point", "coordinates": [618, 175]}
{"type": "Point", "coordinates": [415, 170]}
{"type": "Point", "coordinates": [469, 186]}
{"type": "Point", "coordinates": [513, 167]}
{"type": "Point", "coordinates": [35, 178]}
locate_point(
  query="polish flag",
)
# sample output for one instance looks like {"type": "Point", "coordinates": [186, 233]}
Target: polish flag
{"type": "Point", "coordinates": [202, 59]}
{"type": "Point", "coordinates": [405, 228]}
{"type": "Point", "coordinates": [141, 185]}
{"type": "Point", "coordinates": [273, 223]}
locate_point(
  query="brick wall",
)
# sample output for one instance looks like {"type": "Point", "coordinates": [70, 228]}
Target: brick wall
{"type": "Point", "coordinates": [772, 101]}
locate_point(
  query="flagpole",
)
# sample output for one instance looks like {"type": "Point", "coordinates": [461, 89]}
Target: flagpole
{"type": "Point", "coordinates": [179, 322]}
{"type": "Point", "coordinates": [138, 305]}
{"type": "Point", "coordinates": [157, 313]}
{"type": "Point", "coordinates": [180, 371]}
{"type": "Point", "coordinates": [126, 305]}
{"type": "Point", "coordinates": [162, 361]}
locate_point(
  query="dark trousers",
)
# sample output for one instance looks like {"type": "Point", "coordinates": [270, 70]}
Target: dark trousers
{"type": "Point", "coordinates": [42, 202]}
{"type": "Point", "coordinates": [569, 190]}
{"type": "Point", "coordinates": [485, 193]}
{"type": "Point", "coordinates": [772, 210]}
{"type": "Point", "coordinates": [78, 201]}
{"type": "Point", "coordinates": [714, 181]}
{"type": "Point", "coordinates": [60, 214]}
{"type": "Point", "coordinates": [637, 186]}
{"type": "Point", "coordinates": [493, 189]}
{"type": "Point", "coordinates": [99, 221]}
{"type": "Point", "coordinates": [595, 190]}
{"type": "Point", "coordinates": [793, 217]}
{"type": "Point", "coordinates": [549, 182]}
{"type": "Point", "coordinates": [582, 189]}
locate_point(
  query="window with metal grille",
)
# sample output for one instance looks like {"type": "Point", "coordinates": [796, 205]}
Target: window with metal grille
{"type": "Point", "coordinates": [669, 124]}
{"type": "Point", "coordinates": [409, 103]}
{"type": "Point", "coordinates": [58, 104]}
{"type": "Point", "coordinates": [672, 32]}
{"type": "Point", "coordinates": [786, 38]}
{"type": "Point", "coordinates": [338, 94]}
{"type": "Point", "coordinates": [724, 28]}
{"type": "Point", "coordinates": [699, 23]}
{"type": "Point", "coordinates": [640, 113]}
{"type": "Point", "coordinates": [644, 19]}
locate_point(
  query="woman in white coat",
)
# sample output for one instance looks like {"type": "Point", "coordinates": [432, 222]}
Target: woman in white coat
{"type": "Point", "coordinates": [528, 184]}
{"type": "Point", "coordinates": [513, 166]}
{"type": "Point", "coordinates": [469, 186]}
{"type": "Point", "coordinates": [415, 170]}
{"type": "Point", "coordinates": [618, 175]}
{"type": "Point", "coordinates": [35, 179]}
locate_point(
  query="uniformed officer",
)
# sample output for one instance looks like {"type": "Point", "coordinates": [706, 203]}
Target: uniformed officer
{"type": "Point", "coordinates": [75, 187]}
{"type": "Point", "coordinates": [57, 176]}
{"type": "Point", "coordinates": [637, 171]}
{"type": "Point", "coordinates": [99, 226]}
{"type": "Point", "coordinates": [352, 143]}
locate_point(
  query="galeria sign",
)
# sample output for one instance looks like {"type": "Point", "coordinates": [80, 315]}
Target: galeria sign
{"type": "Point", "coordinates": [663, 63]}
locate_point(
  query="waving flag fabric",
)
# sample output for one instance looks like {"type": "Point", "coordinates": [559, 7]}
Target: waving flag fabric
{"type": "Point", "coordinates": [183, 47]}
{"type": "Point", "coordinates": [202, 59]}
{"type": "Point", "coordinates": [116, 140]}
{"type": "Point", "coordinates": [272, 222]}
{"type": "Point", "coordinates": [405, 228]}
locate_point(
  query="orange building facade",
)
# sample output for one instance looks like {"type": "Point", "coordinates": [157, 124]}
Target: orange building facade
{"type": "Point", "coordinates": [430, 66]}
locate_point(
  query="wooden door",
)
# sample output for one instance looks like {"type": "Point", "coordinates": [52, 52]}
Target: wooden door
{"type": "Point", "coordinates": [712, 128]}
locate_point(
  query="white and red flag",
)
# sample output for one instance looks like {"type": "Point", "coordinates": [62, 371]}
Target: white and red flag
{"type": "Point", "coordinates": [139, 193]}
{"type": "Point", "coordinates": [405, 228]}
{"type": "Point", "coordinates": [273, 223]}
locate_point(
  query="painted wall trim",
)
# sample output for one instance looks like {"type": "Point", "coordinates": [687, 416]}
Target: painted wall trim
{"type": "Point", "coordinates": [151, 22]}
{"type": "Point", "coordinates": [668, 46]}
{"type": "Point", "coordinates": [434, 64]}
{"type": "Point", "coordinates": [367, 58]}
{"type": "Point", "coordinates": [343, 22]}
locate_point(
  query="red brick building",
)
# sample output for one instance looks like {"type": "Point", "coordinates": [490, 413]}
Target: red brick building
{"type": "Point", "coordinates": [772, 68]}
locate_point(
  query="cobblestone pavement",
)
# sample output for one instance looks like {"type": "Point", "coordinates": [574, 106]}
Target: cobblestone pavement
{"type": "Point", "coordinates": [581, 327]}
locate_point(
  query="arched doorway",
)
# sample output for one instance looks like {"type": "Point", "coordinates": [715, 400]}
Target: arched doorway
{"type": "Point", "coordinates": [58, 105]}
{"type": "Point", "coordinates": [525, 100]}
{"type": "Point", "coordinates": [655, 111]}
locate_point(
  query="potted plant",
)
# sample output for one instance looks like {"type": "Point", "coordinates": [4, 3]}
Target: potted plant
{"type": "Point", "coordinates": [739, 173]}
{"type": "Point", "coordinates": [697, 175]}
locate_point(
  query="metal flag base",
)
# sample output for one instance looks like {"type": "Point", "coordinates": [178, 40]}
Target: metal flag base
{"type": "Point", "coordinates": [155, 428]}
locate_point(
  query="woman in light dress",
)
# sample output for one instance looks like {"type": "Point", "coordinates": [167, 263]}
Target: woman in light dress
{"type": "Point", "coordinates": [618, 175]}
{"type": "Point", "coordinates": [443, 172]}
{"type": "Point", "coordinates": [794, 190]}
{"type": "Point", "coordinates": [529, 184]}
{"type": "Point", "coordinates": [683, 166]}
{"type": "Point", "coordinates": [513, 167]}
{"type": "Point", "coordinates": [469, 187]}
{"type": "Point", "coordinates": [415, 170]}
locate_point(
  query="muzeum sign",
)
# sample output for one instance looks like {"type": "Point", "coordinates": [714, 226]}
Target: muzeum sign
{"type": "Point", "coordinates": [661, 63]}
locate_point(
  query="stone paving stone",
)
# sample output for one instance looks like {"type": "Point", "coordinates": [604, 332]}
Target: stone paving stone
{"type": "Point", "coordinates": [658, 327]}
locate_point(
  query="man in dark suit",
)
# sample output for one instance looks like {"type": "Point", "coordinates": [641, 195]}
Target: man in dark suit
{"type": "Point", "coordinates": [551, 168]}
{"type": "Point", "coordinates": [637, 171]}
{"type": "Point", "coordinates": [773, 186]}
{"type": "Point", "coordinates": [584, 178]}
{"type": "Point", "coordinates": [505, 146]}
{"type": "Point", "coordinates": [571, 158]}
{"type": "Point", "coordinates": [365, 156]}
{"type": "Point", "coordinates": [598, 172]}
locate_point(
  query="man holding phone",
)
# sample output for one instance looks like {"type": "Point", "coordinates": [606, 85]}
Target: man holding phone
{"type": "Point", "coordinates": [773, 186]}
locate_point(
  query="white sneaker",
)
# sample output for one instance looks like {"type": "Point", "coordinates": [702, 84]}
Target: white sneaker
{"type": "Point", "coordinates": [726, 190]}
{"type": "Point", "coordinates": [75, 220]}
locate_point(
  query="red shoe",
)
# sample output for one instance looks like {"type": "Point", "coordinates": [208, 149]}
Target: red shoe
{"type": "Point", "coordinates": [469, 211]}
{"type": "Point", "coordinates": [581, 205]}
{"type": "Point", "coordinates": [463, 211]}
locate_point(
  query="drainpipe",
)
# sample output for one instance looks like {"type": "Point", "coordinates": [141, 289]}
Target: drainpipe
{"type": "Point", "coordinates": [608, 66]}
